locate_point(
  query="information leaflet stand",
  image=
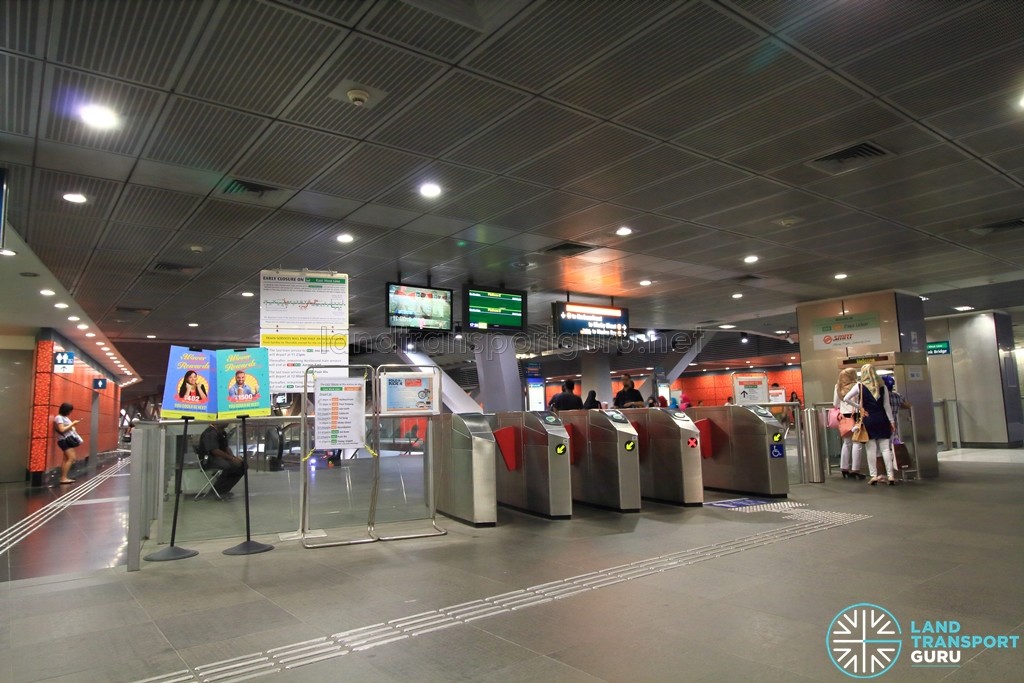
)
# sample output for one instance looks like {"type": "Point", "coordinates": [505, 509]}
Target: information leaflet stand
{"type": "Point", "coordinates": [407, 393]}
{"type": "Point", "coordinates": [339, 423]}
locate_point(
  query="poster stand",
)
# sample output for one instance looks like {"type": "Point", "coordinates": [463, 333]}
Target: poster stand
{"type": "Point", "coordinates": [248, 546]}
{"type": "Point", "coordinates": [173, 552]}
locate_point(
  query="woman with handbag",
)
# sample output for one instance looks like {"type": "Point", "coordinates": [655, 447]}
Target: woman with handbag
{"type": "Point", "coordinates": [877, 420]}
{"type": "Point", "coordinates": [67, 439]}
{"type": "Point", "coordinates": [847, 418]}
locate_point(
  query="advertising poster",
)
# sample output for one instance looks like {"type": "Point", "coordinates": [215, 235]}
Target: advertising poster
{"type": "Point", "coordinates": [190, 388]}
{"type": "Point", "coordinates": [243, 383]}
{"type": "Point", "coordinates": [409, 393]}
{"type": "Point", "coordinates": [340, 420]}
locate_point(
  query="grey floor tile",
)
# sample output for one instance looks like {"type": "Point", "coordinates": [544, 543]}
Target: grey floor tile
{"type": "Point", "coordinates": [539, 669]}
{"type": "Point", "coordinates": [251, 643]}
{"type": "Point", "coordinates": [212, 625]}
{"type": "Point", "coordinates": [55, 628]}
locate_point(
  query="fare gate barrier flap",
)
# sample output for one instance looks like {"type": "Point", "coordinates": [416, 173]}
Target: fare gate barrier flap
{"type": "Point", "coordinates": [541, 482]}
{"type": "Point", "coordinates": [607, 473]}
{"type": "Point", "coordinates": [669, 447]}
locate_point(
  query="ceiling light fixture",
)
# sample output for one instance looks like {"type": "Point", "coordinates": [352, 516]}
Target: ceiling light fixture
{"type": "Point", "coordinates": [646, 283]}
{"type": "Point", "coordinates": [750, 259]}
{"type": "Point", "coordinates": [737, 295]}
{"type": "Point", "coordinates": [623, 231]}
{"type": "Point", "coordinates": [193, 324]}
{"type": "Point", "coordinates": [963, 309]}
{"type": "Point", "coordinates": [840, 276]}
{"type": "Point", "coordinates": [47, 292]}
{"type": "Point", "coordinates": [781, 331]}
{"type": "Point", "coordinates": [248, 294]}
{"type": "Point", "coordinates": [98, 116]}
{"type": "Point", "coordinates": [82, 326]}
{"type": "Point", "coordinates": [75, 198]}
{"type": "Point", "coordinates": [430, 190]}
{"type": "Point", "coordinates": [150, 336]}
{"type": "Point", "coordinates": [744, 339]}
{"type": "Point", "coordinates": [74, 318]}
{"type": "Point", "coordinates": [8, 252]}
{"type": "Point", "coordinates": [90, 334]}
{"type": "Point", "coordinates": [60, 304]}
{"type": "Point", "coordinates": [345, 238]}
{"type": "Point", "coordinates": [726, 327]}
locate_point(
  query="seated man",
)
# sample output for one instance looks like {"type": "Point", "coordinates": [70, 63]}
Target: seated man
{"type": "Point", "coordinates": [213, 448]}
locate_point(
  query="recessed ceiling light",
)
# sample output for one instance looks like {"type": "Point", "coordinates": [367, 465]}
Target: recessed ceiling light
{"type": "Point", "coordinates": [623, 231]}
{"type": "Point", "coordinates": [110, 354]}
{"type": "Point", "coordinates": [727, 327]}
{"type": "Point", "coordinates": [74, 318]}
{"type": "Point", "coordinates": [101, 344]}
{"type": "Point", "coordinates": [924, 298]}
{"type": "Point", "coordinates": [750, 259]}
{"type": "Point", "coordinates": [744, 338]}
{"type": "Point", "coordinates": [840, 276]}
{"type": "Point", "coordinates": [748, 362]}
{"type": "Point", "coordinates": [345, 238]}
{"type": "Point", "coordinates": [47, 292]}
{"type": "Point", "coordinates": [60, 305]}
{"type": "Point", "coordinates": [89, 334]}
{"type": "Point", "coordinates": [8, 252]}
{"type": "Point", "coordinates": [963, 308]}
{"type": "Point", "coordinates": [75, 198]}
{"type": "Point", "coordinates": [646, 283]}
{"type": "Point", "coordinates": [248, 294]}
{"type": "Point", "coordinates": [704, 370]}
{"type": "Point", "coordinates": [430, 190]}
{"type": "Point", "coordinates": [98, 116]}
{"type": "Point", "coordinates": [458, 336]}
{"type": "Point", "coordinates": [82, 326]}
{"type": "Point", "coordinates": [694, 364]}
{"type": "Point", "coordinates": [788, 363]}
{"type": "Point", "coordinates": [726, 367]}
{"type": "Point", "coordinates": [150, 336]}
{"type": "Point", "coordinates": [193, 324]}
{"type": "Point", "coordinates": [792, 357]}
{"type": "Point", "coordinates": [781, 331]}
{"type": "Point", "coordinates": [737, 295]}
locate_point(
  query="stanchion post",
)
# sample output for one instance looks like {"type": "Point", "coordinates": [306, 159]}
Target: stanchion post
{"type": "Point", "coordinates": [173, 552]}
{"type": "Point", "coordinates": [248, 546]}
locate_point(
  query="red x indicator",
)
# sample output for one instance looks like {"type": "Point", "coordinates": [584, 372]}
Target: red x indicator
{"type": "Point", "coordinates": [692, 442]}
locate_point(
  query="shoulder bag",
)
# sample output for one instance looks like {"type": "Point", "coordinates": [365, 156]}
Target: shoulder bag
{"type": "Point", "coordinates": [860, 430]}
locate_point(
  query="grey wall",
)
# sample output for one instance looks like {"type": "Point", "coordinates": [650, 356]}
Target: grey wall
{"type": "Point", "coordinates": [981, 375]}
{"type": "Point", "coordinates": [16, 398]}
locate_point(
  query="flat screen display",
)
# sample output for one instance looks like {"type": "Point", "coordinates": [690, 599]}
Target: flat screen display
{"type": "Point", "coordinates": [487, 309]}
{"type": "Point", "coordinates": [593, 321]}
{"type": "Point", "coordinates": [419, 308]}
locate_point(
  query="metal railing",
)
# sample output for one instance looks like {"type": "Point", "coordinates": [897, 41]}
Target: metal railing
{"type": "Point", "coordinates": [947, 423]}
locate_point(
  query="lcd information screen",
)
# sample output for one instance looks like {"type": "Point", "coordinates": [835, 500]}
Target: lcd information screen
{"type": "Point", "coordinates": [494, 310]}
{"type": "Point", "coordinates": [419, 308]}
{"type": "Point", "coordinates": [595, 321]}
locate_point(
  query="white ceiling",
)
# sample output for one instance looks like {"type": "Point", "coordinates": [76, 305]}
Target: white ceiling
{"type": "Point", "coordinates": [692, 122]}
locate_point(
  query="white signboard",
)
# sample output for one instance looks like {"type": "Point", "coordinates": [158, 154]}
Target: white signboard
{"type": "Point", "coordinates": [290, 353]}
{"type": "Point", "coordinates": [777, 395]}
{"type": "Point", "coordinates": [409, 393]}
{"type": "Point", "coordinates": [302, 299]}
{"type": "Point", "coordinates": [340, 412]}
{"type": "Point", "coordinates": [749, 387]}
{"type": "Point", "coordinates": [861, 329]}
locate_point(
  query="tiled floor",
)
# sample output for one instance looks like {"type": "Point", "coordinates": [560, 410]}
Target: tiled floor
{"type": "Point", "coordinates": [710, 609]}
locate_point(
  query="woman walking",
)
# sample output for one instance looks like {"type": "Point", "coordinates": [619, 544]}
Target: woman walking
{"type": "Point", "coordinates": [871, 396]}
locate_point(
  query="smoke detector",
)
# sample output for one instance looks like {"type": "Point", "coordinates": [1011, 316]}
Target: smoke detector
{"type": "Point", "coordinates": [358, 97]}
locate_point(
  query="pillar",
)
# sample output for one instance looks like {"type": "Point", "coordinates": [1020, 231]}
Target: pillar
{"type": "Point", "coordinates": [597, 368]}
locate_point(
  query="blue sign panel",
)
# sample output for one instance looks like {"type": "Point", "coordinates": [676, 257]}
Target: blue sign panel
{"type": "Point", "coordinates": [99, 383]}
{"type": "Point", "coordinates": [737, 503]}
{"type": "Point", "coordinates": [64, 362]}
{"type": "Point", "coordinates": [778, 450]}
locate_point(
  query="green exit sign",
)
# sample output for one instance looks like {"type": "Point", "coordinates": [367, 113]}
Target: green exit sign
{"type": "Point", "coordinates": [939, 348]}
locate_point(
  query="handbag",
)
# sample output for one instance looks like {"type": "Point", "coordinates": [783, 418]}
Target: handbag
{"type": "Point", "coordinates": [846, 425]}
{"type": "Point", "coordinates": [833, 418]}
{"type": "Point", "coordinates": [860, 430]}
{"type": "Point", "coordinates": [71, 440]}
{"type": "Point", "coordinates": [902, 455]}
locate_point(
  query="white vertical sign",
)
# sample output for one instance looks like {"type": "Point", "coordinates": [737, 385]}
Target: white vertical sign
{"type": "Point", "coordinates": [340, 420]}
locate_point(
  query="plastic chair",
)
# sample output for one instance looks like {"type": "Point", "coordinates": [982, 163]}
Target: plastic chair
{"type": "Point", "coordinates": [210, 475]}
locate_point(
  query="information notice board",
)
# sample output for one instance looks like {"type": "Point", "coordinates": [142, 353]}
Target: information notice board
{"type": "Point", "coordinates": [340, 420]}
{"type": "Point", "coordinates": [409, 393]}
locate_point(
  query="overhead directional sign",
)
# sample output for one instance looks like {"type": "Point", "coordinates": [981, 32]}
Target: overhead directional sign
{"type": "Point", "coordinates": [64, 362]}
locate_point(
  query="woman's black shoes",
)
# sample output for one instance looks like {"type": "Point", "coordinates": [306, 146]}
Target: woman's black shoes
{"type": "Point", "coordinates": [845, 473]}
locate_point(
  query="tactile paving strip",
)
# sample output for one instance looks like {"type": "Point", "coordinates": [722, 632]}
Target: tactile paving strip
{"type": "Point", "coordinates": [327, 647]}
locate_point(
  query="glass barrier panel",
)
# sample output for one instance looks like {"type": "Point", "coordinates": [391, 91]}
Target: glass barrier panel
{"type": "Point", "coordinates": [403, 450]}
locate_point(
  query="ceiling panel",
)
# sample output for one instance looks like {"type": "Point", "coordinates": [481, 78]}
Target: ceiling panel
{"type": "Point", "coordinates": [262, 53]}
{"type": "Point", "coordinates": [391, 75]}
{"type": "Point", "coordinates": [227, 219]}
{"type": "Point", "coordinates": [892, 170]}
{"type": "Point", "coordinates": [49, 188]}
{"type": "Point", "coordinates": [453, 180]}
{"type": "Point", "coordinates": [345, 12]}
{"type": "Point", "coordinates": [734, 195]}
{"type": "Point", "coordinates": [642, 169]}
{"type": "Point", "coordinates": [541, 210]}
{"type": "Point", "coordinates": [154, 207]}
{"type": "Point", "coordinates": [23, 22]}
{"type": "Point", "coordinates": [673, 48]}
{"type": "Point", "coordinates": [551, 39]}
{"type": "Point", "coordinates": [493, 198]}
{"type": "Point", "coordinates": [22, 83]}
{"type": "Point", "coordinates": [431, 126]}
{"type": "Point", "coordinates": [133, 239]}
{"type": "Point", "coordinates": [679, 187]}
{"type": "Point", "coordinates": [367, 171]}
{"type": "Point", "coordinates": [761, 70]}
{"type": "Point", "coordinates": [290, 156]}
{"type": "Point", "coordinates": [592, 150]}
{"type": "Point", "coordinates": [417, 28]}
{"type": "Point", "coordinates": [286, 227]}
{"type": "Point", "coordinates": [199, 135]}
{"type": "Point", "coordinates": [996, 139]}
{"type": "Point", "coordinates": [582, 222]}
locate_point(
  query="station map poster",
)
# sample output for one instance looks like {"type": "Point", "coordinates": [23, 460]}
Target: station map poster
{"type": "Point", "coordinates": [749, 387]}
{"type": "Point", "coordinates": [290, 352]}
{"type": "Point", "coordinates": [409, 393]}
{"type": "Point", "coordinates": [190, 388]}
{"type": "Point", "coordinates": [340, 420]}
{"type": "Point", "coordinates": [303, 300]}
{"type": "Point", "coordinates": [243, 383]}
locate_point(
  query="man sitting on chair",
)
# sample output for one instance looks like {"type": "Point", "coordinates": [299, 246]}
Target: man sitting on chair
{"type": "Point", "coordinates": [213, 448]}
